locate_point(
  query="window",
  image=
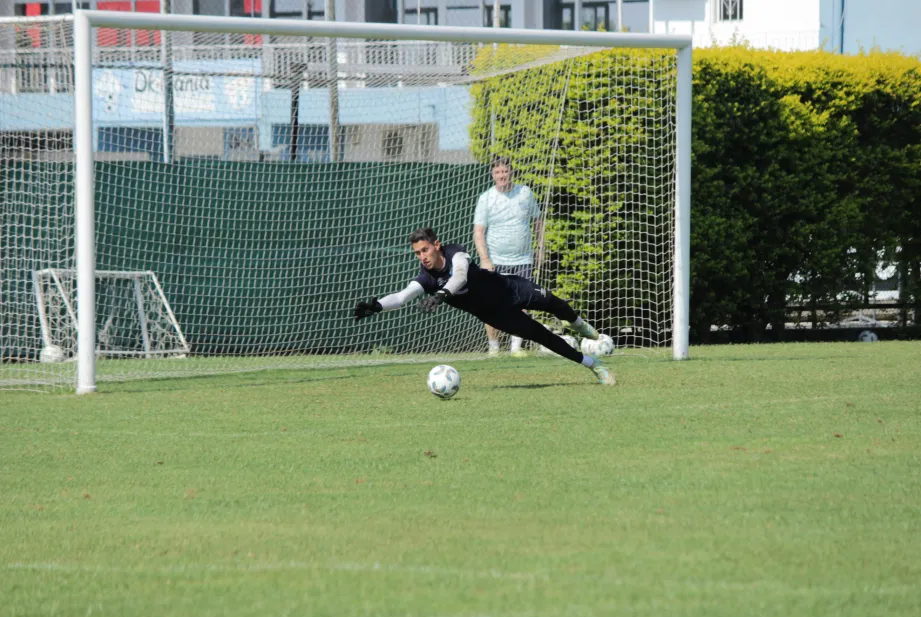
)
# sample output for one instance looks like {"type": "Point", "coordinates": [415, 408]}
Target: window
{"type": "Point", "coordinates": [729, 10]}
{"type": "Point", "coordinates": [312, 142]}
{"type": "Point", "coordinates": [246, 8]}
{"type": "Point", "coordinates": [595, 16]}
{"type": "Point", "coordinates": [239, 142]}
{"type": "Point", "coordinates": [29, 145]}
{"type": "Point", "coordinates": [30, 9]}
{"type": "Point", "coordinates": [393, 144]}
{"type": "Point", "coordinates": [424, 17]}
{"type": "Point", "coordinates": [33, 37]}
{"type": "Point", "coordinates": [208, 7]}
{"type": "Point", "coordinates": [505, 16]}
{"type": "Point", "coordinates": [295, 9]}
{"type": "Point", "coordinates": [133, 140]}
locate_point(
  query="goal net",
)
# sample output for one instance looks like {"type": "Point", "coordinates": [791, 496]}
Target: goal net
{"type": "Point", "coordinates": [135, 316]}
{"type": "Point", "coordinates": [251, 180]}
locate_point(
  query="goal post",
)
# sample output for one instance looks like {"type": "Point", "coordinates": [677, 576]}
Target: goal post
{"type": "Point", "coordinates": [208, 157]}
{"type": "Point", "coordinates": [135, 319]}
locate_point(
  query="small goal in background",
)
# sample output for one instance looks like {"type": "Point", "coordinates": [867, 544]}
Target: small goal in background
{"type": "Point", "coordinates": [133, 317]}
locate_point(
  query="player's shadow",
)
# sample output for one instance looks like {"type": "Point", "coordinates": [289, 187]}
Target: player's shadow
{"type": "Point", "coordinates": [536, 386]}
{"type": "Point", "coordinates": [201, 382]}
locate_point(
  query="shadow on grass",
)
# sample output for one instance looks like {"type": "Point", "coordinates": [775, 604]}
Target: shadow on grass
{"type": "Point", "coordinates": [538, 386]}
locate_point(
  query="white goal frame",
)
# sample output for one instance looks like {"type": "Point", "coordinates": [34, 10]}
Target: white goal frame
{"type": "Point", "coordinates": [57, 276]}
{"type": "Point", "coordinates": [85, 21]}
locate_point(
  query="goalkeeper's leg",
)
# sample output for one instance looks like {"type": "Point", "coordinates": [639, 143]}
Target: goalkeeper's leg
{"type": "Point", "coordinates": [534, 297]}
{"type": "Point", "coordinates": [521, 324]}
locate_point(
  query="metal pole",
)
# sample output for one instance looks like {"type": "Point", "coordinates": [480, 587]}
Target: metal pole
{"type": "Point", "coordinates": [401, 11]}
{"type": "Point", "coordinates": [652, 13]}
{"type": "Point", "coordinates": [843, 8]}
{"type": "Point", "coordinates": [333, 87]}
{"type": "Point", "coordinates": [357, 30]}
{"type": "Point", "coordinates": [577, 15]}
{"type": "Point", "coordinates": [620, 15]}
{"type": "Point", "coordinates": [682, 269]}
{"type": "Point", "coordinates": [295, 78]}
{"type": "Point", "coordinates": [84, 207]}
{"type": "Point", "coordinates": [169, 112]}
{"type": "Point", "coordinates": [492, 102]}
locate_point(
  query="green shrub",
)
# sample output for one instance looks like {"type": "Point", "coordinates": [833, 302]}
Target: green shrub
{"type": "Point", "coordinates": [806, 168]}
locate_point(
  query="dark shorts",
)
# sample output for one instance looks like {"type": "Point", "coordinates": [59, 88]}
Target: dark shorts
{"type": "Point", "coordinates": [522, 270]}
{"type": "Point", "coordinates": [516, 294]}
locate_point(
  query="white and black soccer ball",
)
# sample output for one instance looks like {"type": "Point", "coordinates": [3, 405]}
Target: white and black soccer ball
{"type": "Point", "coordinates": [51, 354]}
{"type": "Point", "coordinates": [589, 347]}
{"type": "Point", "coordinates": [444, 381]}
{"type": "Point", "coordinates": [604, 346]}
{"type": "Point", "coordinates": [868, 336]}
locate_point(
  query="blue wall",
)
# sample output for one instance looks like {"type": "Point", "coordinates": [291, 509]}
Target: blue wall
{"type": "Point", "coordinates": [123, 99]}
{"type": "Point", "coordinates": [891, 25]}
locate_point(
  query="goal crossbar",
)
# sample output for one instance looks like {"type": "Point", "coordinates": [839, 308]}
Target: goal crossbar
{"type": "Point", "coordinates": [85, 21]}
{"type": "Point", "coordinates": [294, 27]}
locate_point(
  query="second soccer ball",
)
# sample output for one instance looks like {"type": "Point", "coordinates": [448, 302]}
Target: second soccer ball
{"type": "Point", "coordinates": [604, 346]}
{"type": "Point", "coordinates": [51, 354]}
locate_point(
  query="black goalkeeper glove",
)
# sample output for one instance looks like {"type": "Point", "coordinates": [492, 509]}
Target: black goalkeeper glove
{"type": "Point", "coordinates": [366, 309]}
{"type": "Point", "coordinates": [430, 304]}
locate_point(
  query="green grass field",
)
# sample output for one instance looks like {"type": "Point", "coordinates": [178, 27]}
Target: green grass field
{"type": "Point", "coordinates": [751, 480]}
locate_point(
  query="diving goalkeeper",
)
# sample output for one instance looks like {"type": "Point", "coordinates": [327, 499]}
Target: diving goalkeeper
{"type": "Point", "coordinates": [448, 276]}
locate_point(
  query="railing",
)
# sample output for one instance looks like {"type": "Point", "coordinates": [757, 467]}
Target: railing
{"type": "Point", "coordinates": [51, 70]}
{"type": "Point", "coordinates": [783, 41]}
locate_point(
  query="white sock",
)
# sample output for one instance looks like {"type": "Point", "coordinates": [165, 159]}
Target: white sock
{"type": "Point", "coordinates": [494, 344]}
{"type": "Point", "coordinates": [516, 344]}
{"type": "Point", "coordinates": [587, 361]}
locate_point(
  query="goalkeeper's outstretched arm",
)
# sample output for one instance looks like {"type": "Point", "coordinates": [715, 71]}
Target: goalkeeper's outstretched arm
{"type": "Point", "coordinates": [401, 298]}
{"type": "Point", "coordinates": [389, 302]}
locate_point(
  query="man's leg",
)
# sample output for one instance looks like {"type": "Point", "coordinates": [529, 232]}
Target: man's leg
{"type": "Point", "coordinates": [492, 338]}
{"type": "Point", "coordinates": [534, 297]}
{"type": "Point", "coordinates": [521, 324]}
{"type": "Point", "coordinates": [524, 271]}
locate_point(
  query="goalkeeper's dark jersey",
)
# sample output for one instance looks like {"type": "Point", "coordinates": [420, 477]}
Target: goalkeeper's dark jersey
{"type": "Point", "coordinates": [484, 292]}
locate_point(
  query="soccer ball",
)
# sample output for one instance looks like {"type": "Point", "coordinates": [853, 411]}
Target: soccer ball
{"type": "Point", "coordinates": [868, 336]}
{"type": "Point", "coordinates": [604, 346]}
{"type": "Point", "coordinates": [51, 354]}
{"type": "Point", "coordinates": [444, 381]}
{"type": "Point", "coordinates": [543, 351]}
{"type": "Point", "coordinates": [589, 347]}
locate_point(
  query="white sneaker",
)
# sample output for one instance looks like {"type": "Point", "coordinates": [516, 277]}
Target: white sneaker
{"type": "Point", "coordinates": [493, 352]}
{"type": "Point", "coordinates": [585, 329]}
{"type": "Point", "coordinates": [605, 377]}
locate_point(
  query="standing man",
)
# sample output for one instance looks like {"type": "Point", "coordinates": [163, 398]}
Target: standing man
{"type": "Point", "coordinates": [502, 234]}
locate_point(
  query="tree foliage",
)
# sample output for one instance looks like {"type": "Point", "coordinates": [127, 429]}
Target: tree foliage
{"type": "Point", "coordinates": [806, 171]}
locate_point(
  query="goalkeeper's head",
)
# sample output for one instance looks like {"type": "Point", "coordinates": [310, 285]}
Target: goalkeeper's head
{"type": "Point", "coordinates": [427, 248]}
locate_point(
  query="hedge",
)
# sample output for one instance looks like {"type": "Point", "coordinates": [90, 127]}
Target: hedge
{"type": "Point", "coordinates": [806, 171]}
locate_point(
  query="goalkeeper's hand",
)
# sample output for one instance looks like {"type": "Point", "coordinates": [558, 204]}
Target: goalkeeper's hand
{"type": "Point", "coordinates": [366, 309]}
{"type": "Point", "coordinates": [430, 304]}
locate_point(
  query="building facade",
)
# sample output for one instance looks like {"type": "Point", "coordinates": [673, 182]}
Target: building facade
{"type": "Point", "coordinates": [251, 117]}
{"type": "Point", "coordinates": [845, 26]}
